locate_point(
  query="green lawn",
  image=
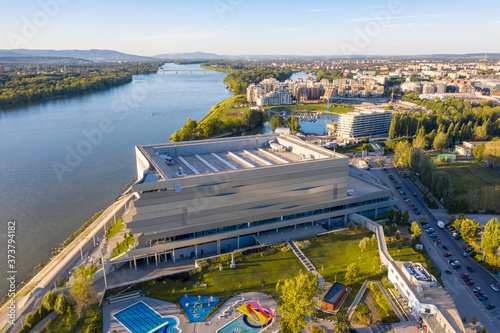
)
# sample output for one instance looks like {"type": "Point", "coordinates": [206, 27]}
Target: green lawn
{"type": "Point", "coordinates": [247, 276]}
{"type": "Point", "coordinates": [221, 109]}
{"type": "Point", "coordinates": [332, 253]}
{"type": "Point", "coordinates": [407, 253]}
{"type": "Point", "coordinates": [470, 176]}
{"type": "Point", "coordinates": [358, 148]}
{"type": "Point", "coordinates": [320, 107]}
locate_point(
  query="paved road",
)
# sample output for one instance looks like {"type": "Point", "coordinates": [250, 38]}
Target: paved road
{"type": "Point", "coordinates": [467, 303]}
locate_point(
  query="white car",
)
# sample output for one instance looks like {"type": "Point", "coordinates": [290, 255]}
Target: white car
{"type": "Point", "coordinates": [476, 289]}
{"type": "Point", "coordinates": [495, 288]}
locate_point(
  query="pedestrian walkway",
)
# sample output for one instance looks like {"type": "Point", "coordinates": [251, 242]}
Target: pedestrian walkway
{"type": "Point", "coordinates": [305, 261]}
{"type": "Point", "coordinates": [360, 294]}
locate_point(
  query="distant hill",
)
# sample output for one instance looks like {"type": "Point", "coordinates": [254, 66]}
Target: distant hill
{"type": "Point", "coordinates": [93, 55]}
{"type": "Point", "coordinates": [191, 55]}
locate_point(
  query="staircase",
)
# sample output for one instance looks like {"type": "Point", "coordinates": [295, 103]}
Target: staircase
{"type": "Point", "coordinates": [124, 296]}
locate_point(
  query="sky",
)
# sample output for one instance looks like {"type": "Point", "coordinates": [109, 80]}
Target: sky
{"type": "Point", "coordinates": [244, 27]}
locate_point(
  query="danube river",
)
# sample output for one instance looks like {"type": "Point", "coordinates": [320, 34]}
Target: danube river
{"type": "Point", "coordinates": [65, 159]}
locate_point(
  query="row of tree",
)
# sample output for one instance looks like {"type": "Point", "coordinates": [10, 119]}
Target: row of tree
{"type": "Point", "coordinates": [215, 126]}
{"type": "Point", "coordinates": [448, 121]}
{"type": "Point", "coordinates": [37, 85]}
{"type": "Point", "coordinates": [437, 181]}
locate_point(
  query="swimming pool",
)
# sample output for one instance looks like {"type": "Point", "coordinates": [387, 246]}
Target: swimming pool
{"type": "Point", "coordinates": [238, 325]}
{"type": "Point", "coordinates": [198, 307]}
{"type": "Point", "coordinates": [140, 318]}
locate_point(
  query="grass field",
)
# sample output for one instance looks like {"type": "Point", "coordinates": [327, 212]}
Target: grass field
{"type": "Point", "coordinates": [358, 148]}
{"type": "Point", "coordinates": [470, 176]}
{"type": "Point", "coordinates": [248, 275]}
{"type": "Point", "coordinates": [221, 109]}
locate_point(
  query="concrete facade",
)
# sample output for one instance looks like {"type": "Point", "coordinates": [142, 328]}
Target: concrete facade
{"type": "Point", "coordinates": [214, 196]}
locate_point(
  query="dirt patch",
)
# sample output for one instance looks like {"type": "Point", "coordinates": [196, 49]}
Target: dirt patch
{"type": "Point", "coordinates": [369, 299]}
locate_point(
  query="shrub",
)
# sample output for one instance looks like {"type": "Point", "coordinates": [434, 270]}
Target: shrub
{"type": "Point", "coordinates": [285, 248]}
{"type": "Point", "coordinates": [195, 271]}
{"type": "Point", "coordinates": [322, 240]}
{"type": "Point", "coordinates": [387, 284]}
{"type": "Point", "coordinates": [303, 244]}
{"type": "Point", "coordinates": [362, 309]}
{"type": "Point", "coordinates": [316, 329]}
{"type": "Point", "coordinates": [203, 264]}
{"type": "Point", "coordinates": [95, 325]}
{"type": "Point", "coordinates": [214, 267]}
{"type": "Point", "coordinates": [382, 305]}
{"type": "Point", "coordinates": [146, 285]}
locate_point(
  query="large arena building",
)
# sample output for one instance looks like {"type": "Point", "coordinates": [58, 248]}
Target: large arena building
{"type": "Point", "coordinates": [218, 195]}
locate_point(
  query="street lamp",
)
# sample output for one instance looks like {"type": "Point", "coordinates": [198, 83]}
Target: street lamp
{"type": "Point", "coordinates": [102, 251]}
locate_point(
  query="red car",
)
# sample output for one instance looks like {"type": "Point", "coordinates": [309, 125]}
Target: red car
{"type": "Point", "coordinates": [447, 254]}
{"type": "Point", "coordinates": [463, 276]}
{"type": "Point", "coordinates": [470, 283]}
{"type": "Point", "coordinates": [479, 293]}
{"type": "Point", "coordinates": [438, 241]}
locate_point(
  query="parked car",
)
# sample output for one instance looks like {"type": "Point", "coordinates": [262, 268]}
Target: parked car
{"type": "Point", "coordinates": [451, 260]}
{"type": "Point", "coordinates": [479, 293]}
{"type": "Point", "coordinates": [447, 254]}
{"type": "Point", "coordinates": [490, 306]}
{"type": "Point", "coordinates": [470, 269]}
{"type": "Point", "coordinates": [464, 275]}
{"type": "Point", "coordinates": [494, 287]}
{"type": "Point", "coordinates": [438, 241]}
{"type": "Point", "coordinates": [445, 247]}
{"type": "Point", "coordinates": [483, 298]}
{"type": "Point", "coordinates": [467, 279]}
{"type": "Point", "coordinates": [476, 289]}
{"type": "Point", "coordinates": [470, 283]}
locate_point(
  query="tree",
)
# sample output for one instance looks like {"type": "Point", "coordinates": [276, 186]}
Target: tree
{"type": "Point", "coordinates": [297, 301]}
{"type": "Point", "coordinates": [474, 320]}
{"type": "Point", "coordinates": [352, 273]}
{"type": "Point", "coordinates": [484, 330]}
{"type": "Point", "coordinates": [294, 124]}
{"type": "Point", "coordinates": [29, 320]}
{"type": "Point", "coordinates": [441, 141]}
{"type": "Point", "coordinates": [492, 153]}
{"type": "Point", "coordinates": [49, 300]}
{"type": "Point", "coordinates": [419, 142]}
{"type": "Point", "coordinates": [478, 152]}
{"type": "Point", "coordinates": [81, 289]}
{"type": "Point", "coordinates": [390, 214]}
{"type": "Point", "coordinates": [397, 216]}
{"type": "Point", "coordinates": [490, 238]}
{"type": "Point", "coordinates": [406, 217]}
{"type": "Point", "coordinates": [342, 324]}
{"type": "Point", "coordinates": [469, 230]}
{"type": "Point", "coordinates": [61, 304]}
{"type": "Point", "coordinates": [276, 121]}
{"type": "Point", "coordinates": [363, 243]}
{"type": "Point", "coordinates": [415, 229]}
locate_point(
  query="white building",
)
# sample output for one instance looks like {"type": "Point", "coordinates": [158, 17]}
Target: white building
{"type": "Point", "coordinates": [280, 97]}
{"type": "Point", "coordinates": [364, 122]}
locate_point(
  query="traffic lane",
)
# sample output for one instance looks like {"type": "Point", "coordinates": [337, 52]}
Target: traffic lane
{"type": "Point", "coordinates": [457, 282]}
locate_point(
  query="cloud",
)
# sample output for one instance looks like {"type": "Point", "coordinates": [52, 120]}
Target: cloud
{"type": "Point", "coordinates": [374, 7]}
{"type": "Point", "coordinates": [382, 18]}
{"type": "Point", "coordinates": [317, 10]}
{"type": "Point", "coordinates": [495, 22]}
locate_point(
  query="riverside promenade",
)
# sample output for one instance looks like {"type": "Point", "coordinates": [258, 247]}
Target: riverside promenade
{"type": "Point", "coordinates": [31, 294]}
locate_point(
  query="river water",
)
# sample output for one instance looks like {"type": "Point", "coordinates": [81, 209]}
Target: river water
{"type": "Point", "coordinates": [65, 159]}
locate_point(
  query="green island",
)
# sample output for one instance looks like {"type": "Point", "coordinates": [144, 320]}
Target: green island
{"type": "Point", "coordinates": [32, 84]}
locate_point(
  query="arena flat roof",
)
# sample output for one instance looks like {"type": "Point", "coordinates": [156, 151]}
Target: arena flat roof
{"type": "Point", "coordinates": [173, 160]}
